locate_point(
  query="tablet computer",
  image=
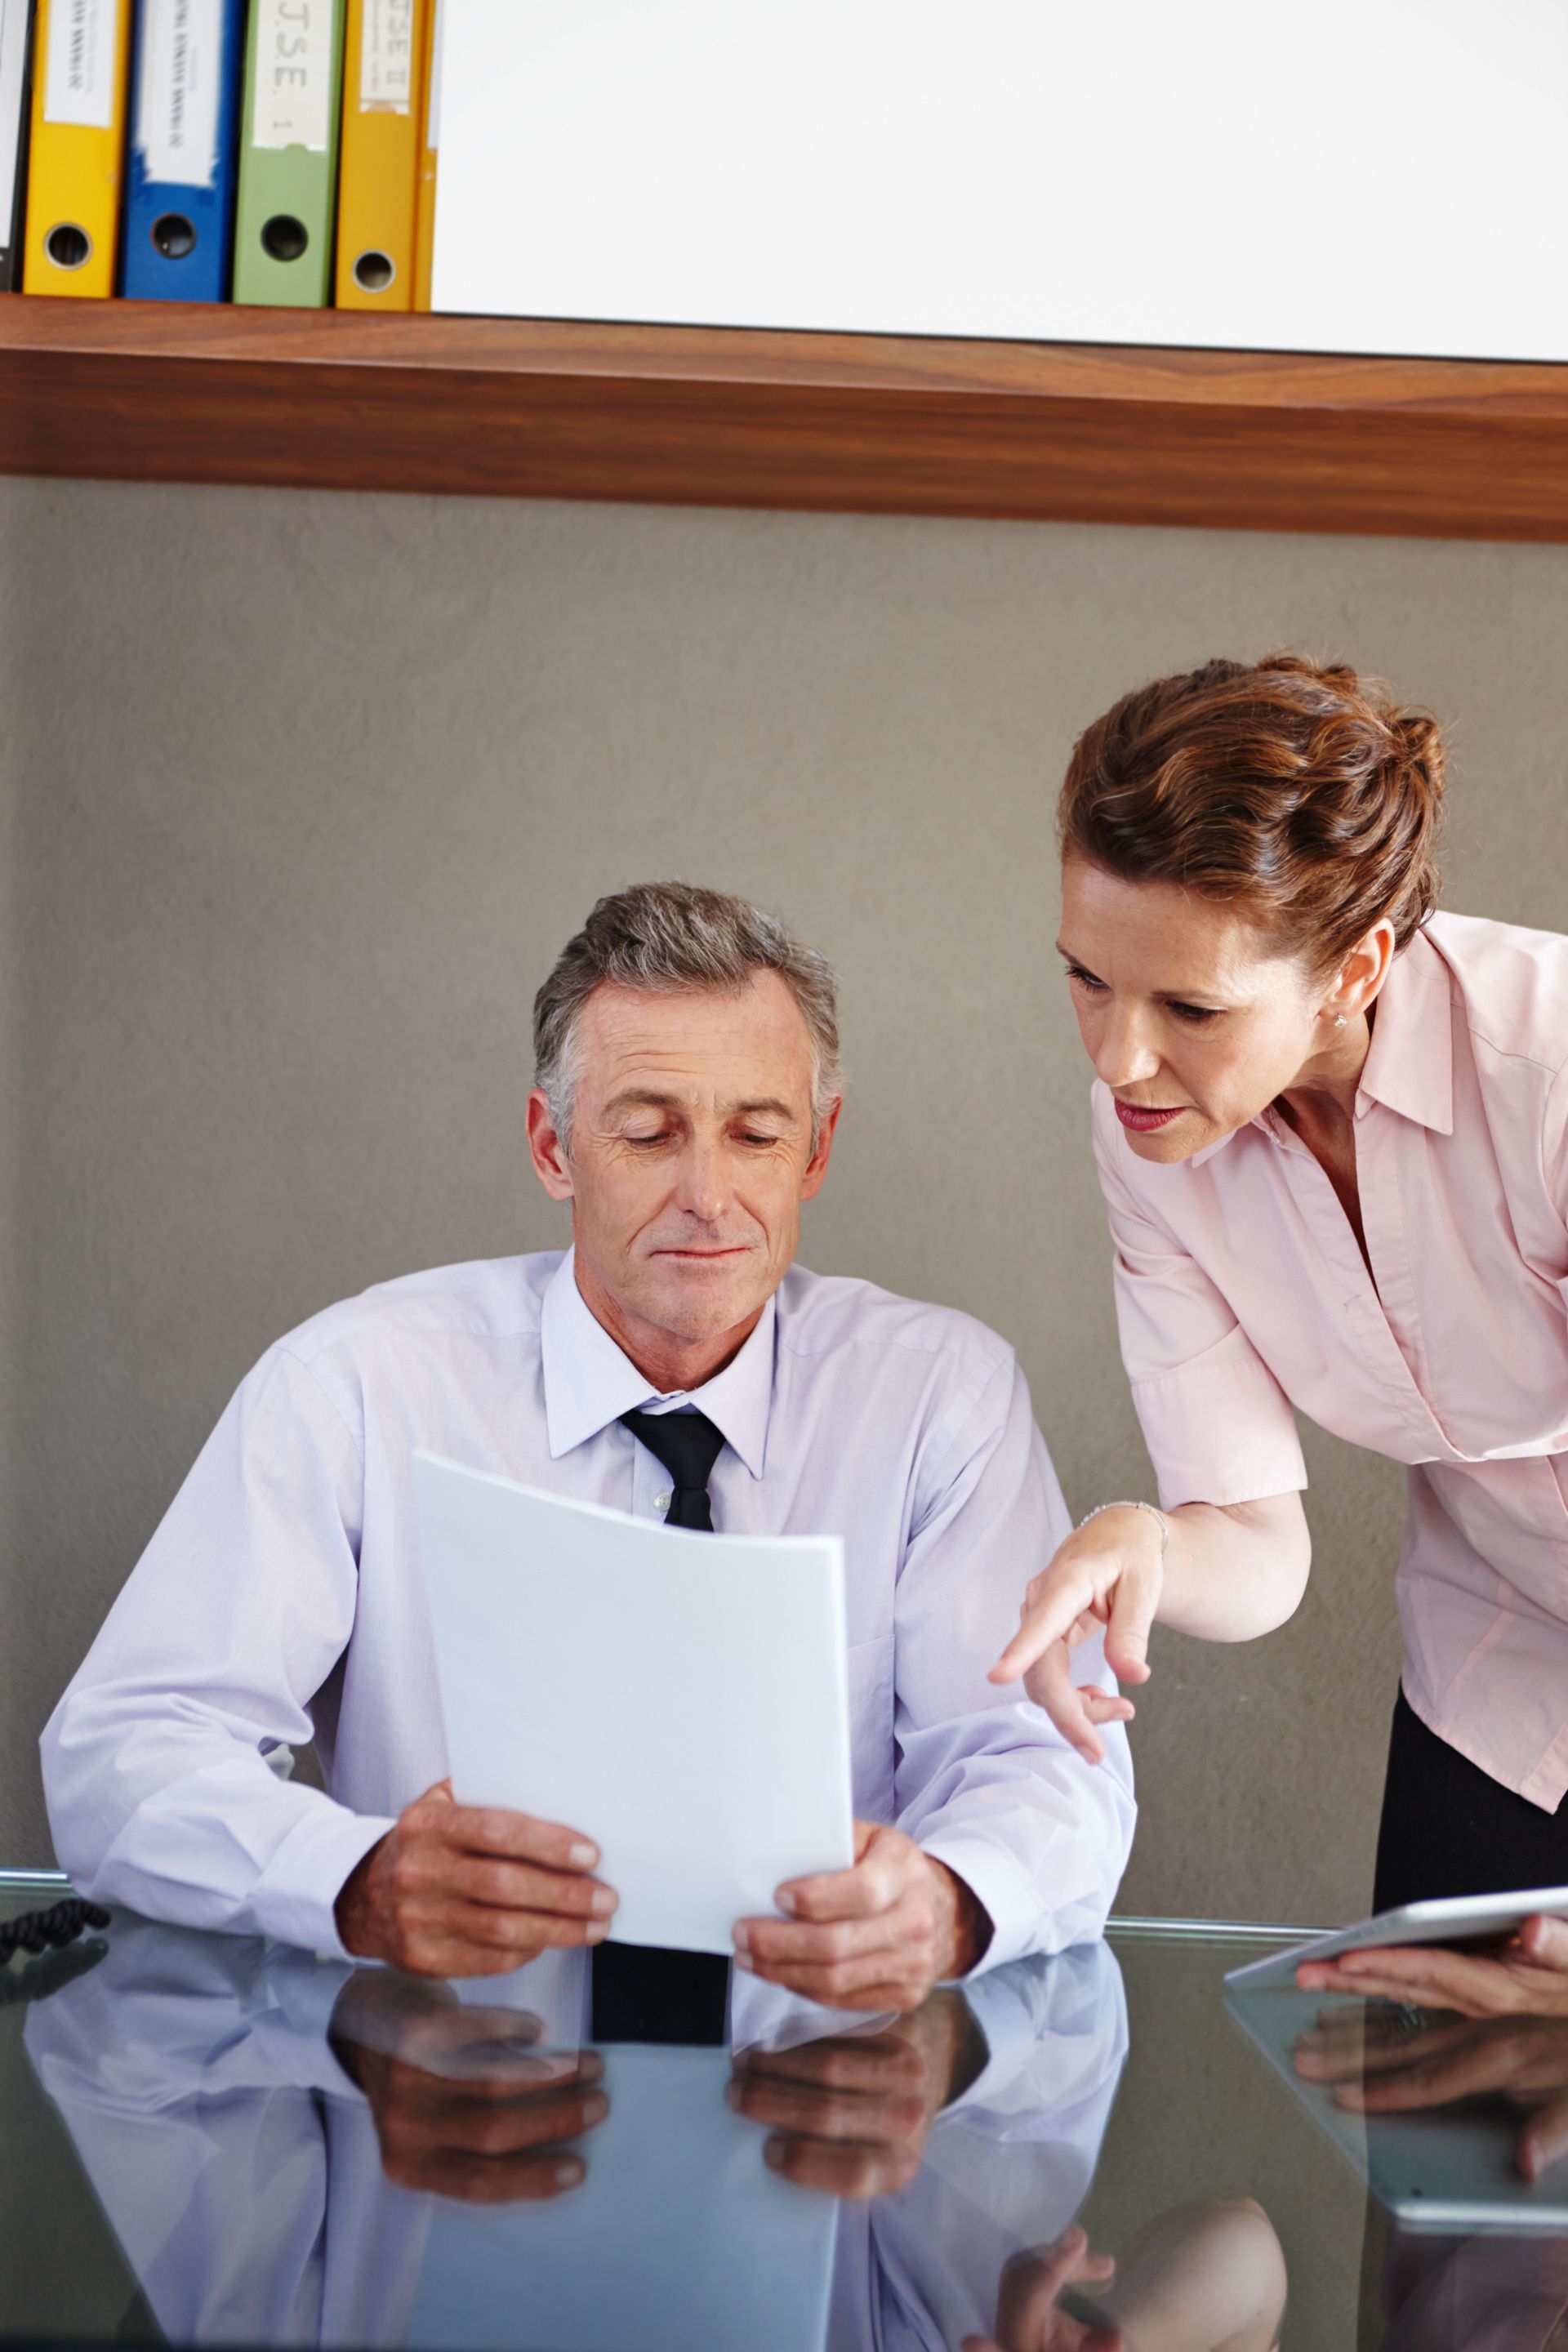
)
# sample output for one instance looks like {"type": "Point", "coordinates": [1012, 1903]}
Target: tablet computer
{"type": "Point", "coordinates": [1451, 2170]}
{"type": "Point", "coordinates": [1462, 1919]}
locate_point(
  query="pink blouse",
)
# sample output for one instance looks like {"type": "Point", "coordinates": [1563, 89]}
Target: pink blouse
{"type": "Point", "coordinates": [1241, 1292]}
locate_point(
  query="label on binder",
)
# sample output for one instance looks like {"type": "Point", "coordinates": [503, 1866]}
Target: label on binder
{"type": "Point", "coordinates": [293, 74]}
{"type": "Point", "coordinates": [386, 57]}
{"type": "Point", "coordinates": [182, 66]}
{"type": "Point", "coordinates": [80, 75]}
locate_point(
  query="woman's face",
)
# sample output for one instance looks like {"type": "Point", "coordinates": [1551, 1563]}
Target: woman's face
{"type": "Point", "coordinates": [1192, 1022]}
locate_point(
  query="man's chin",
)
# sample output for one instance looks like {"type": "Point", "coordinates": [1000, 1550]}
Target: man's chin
{"type": "Point", "coordinates": [695, 1303]}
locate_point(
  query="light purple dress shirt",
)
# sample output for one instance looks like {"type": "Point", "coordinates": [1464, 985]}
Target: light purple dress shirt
{"type": "Point", "coordinates": [281, 1600]}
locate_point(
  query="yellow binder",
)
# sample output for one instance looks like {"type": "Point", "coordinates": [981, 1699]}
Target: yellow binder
{"type": "Point", "coordinates": [430, 142]}
{"type": "Point", "coordinates": [77, 146]}
{"type": "Point", "coordinates": [378, 177]}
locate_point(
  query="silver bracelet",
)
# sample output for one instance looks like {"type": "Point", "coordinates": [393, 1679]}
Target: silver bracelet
{"type": "Point", "coordinates": [1131, 1505]}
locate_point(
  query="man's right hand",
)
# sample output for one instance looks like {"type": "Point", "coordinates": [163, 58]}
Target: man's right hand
{"type": "Point", "coordinates": [471, 1891]}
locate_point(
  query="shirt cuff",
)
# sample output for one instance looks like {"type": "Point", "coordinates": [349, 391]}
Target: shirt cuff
{"type": "Point", "coordinates": [294, 1897]}
{"type": "Point", "coordinates": [994, 1879]}
{"type": "Point", "coordinates": [1010, 2030]}
{"type": "Point", "coordinates": [1220, 1431]}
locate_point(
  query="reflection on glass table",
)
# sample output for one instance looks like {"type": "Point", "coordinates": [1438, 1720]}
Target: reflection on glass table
{"type": "Point", "coordinates": [214, 2140]}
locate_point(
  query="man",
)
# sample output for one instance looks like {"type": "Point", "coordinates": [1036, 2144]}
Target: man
{"type": "Point", "coordinates": [671, 1363]}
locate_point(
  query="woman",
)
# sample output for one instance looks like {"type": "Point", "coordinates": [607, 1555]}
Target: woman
{"type": "Point", "coordinates": [1332, 1129]}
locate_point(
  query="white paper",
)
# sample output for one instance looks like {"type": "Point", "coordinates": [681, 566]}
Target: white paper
{"type": "Point", "coordinates": [294, 58]}
{"type": "Point", "coordinates": [432, 100]}
{"type": "Point", "coordinates": [679, 1698]}
{"type": "Point", "coordinates": [1080, 170]}
{"type": "Point", "coordinates": [13, 62]}
{"type": "Point", "coordinates": [80, 73]}
{"type": "Point", "coordinates": [386, 57]}
{"type": "Point", "coordinates": [180, 86]}
{"type": "Point", "coordinates": [680, 2238]}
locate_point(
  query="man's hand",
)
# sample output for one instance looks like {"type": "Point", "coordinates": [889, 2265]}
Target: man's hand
{"type": "Point", "coordinates": [1527, 1977]}
{"type": "Point", "coordinates": [463, 2105]}
{"type": "Point", "coordinates": [876, 1937]}
{"type": "Point", "coordinates": [471, 1891]}
{"type": "Point", "coordinates": [849, 2115]}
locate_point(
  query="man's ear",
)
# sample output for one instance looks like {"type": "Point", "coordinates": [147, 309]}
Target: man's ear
{"type": "Point", "coordinates": [817, 1166]}
{"type": "Point", "coordinates": [546, 1149]}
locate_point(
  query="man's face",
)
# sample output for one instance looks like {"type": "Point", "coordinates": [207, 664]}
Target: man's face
{"type": "Point", "coordinates": [690, 1154]}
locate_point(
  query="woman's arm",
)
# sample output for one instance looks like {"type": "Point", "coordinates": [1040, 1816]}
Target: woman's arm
{"type": "Point", "coordinates": [1229, 1573]}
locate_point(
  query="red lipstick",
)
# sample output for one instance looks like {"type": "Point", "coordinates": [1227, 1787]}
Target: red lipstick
{"type": "Point", "coordinates": [1145, 1122]}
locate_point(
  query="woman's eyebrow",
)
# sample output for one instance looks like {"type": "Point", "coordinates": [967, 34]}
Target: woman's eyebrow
{"type": "Point", "coordinates": [1076, 962]}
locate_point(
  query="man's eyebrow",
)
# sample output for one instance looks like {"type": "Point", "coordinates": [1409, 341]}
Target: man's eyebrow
{"type": "Point", "coordinates": [641, 1097]}
{"type": "Point", "coordinates": [764, 1106]}
{"type": "Point", "coordinates": [653, 1098]}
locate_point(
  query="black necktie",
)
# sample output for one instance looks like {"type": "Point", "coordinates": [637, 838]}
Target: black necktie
{"type": "Point", "coordinates": [641, 1991]}
{"type": "Point", "coordinates": [688, 1446]}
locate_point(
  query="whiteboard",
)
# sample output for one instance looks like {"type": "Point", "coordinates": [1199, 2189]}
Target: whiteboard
{"type": "Point", "coordinates": [1356, 175]}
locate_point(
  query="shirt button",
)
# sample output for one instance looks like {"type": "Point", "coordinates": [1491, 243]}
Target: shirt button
{"type": "Point", "coordinates": [662, 1502]}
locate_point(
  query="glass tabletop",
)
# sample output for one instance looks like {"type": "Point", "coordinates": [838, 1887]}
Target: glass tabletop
{"type": "Point", "coordinates": [213, 2139]}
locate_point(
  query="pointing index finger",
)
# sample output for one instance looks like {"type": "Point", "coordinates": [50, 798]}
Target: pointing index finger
{"type": "Point", "coordinates": [1050, 1619]}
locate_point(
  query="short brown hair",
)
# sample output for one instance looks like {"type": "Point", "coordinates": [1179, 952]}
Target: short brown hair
{"type": "Point", "coordinates": [1299, 792]}
{"type": "Point", "coordinates": [666, 936]}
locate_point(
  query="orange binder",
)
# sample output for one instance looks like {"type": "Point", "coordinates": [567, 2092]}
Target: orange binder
{"type": "Point", "coordinates": [383, 60]}
{"type": "Point", "coordinates": [77, 146]}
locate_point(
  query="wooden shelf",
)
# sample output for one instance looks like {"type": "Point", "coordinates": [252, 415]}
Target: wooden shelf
{"type": "Point", "coordinates": [312, 400]}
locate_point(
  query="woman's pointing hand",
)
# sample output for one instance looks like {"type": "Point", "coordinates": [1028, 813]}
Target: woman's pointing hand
{"type": "Point", "coordinates": [1108, 1574]}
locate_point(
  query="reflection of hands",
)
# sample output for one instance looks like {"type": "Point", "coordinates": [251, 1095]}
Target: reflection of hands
{"type": "Point", "coordinates": [850, 2114]}
{"type": "Point", "coordinates": [1528, 1977]}
{"type": "Point", "coordinates": [878, 1936]}
{"type": "Point", "coordinates": [1377, 2063]}
{"type": "Point", "coordinates": [1028, 2319]}
{"type": "Point", "coordinates": [464, 2106]}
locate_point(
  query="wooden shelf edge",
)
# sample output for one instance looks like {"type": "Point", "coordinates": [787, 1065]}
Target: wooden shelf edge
{"type": "Point", "coordinates": [150, 391]}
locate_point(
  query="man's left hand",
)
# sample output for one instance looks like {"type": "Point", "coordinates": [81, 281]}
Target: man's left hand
{"type": "Point", "coordinates": [877, 1937]}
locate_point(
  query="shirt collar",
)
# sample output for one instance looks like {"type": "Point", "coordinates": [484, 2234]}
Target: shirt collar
{"type": "Point", "coordinates": [589, 1381]}
{"type": "Point", "coordinates": [1410, 1066]}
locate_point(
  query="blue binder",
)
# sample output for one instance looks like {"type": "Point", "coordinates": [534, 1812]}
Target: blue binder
{"type": "Point", "coordinates": [187, 60]}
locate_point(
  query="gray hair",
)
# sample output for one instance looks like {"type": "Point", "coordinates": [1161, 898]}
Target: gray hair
{"type": "Point", "coordinates": [664, 936]}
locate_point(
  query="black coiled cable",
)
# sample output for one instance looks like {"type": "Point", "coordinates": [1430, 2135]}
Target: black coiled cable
{"type": "Point", "coordinates": [45, 1931]}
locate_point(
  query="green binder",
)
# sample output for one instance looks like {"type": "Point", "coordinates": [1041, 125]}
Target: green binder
{"type": "Point", "coordinates": [283, 236]}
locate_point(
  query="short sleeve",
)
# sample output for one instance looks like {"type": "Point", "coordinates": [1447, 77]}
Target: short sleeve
{"type": "Point", "coordinates": [1217, 1425]}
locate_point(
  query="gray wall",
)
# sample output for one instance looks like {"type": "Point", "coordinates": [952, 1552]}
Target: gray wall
{"type": "Point", "coordinates": [299, 794]}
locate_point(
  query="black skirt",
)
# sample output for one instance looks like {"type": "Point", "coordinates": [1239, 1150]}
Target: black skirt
{"type": "Point", "coordinates": [1449, 1829]}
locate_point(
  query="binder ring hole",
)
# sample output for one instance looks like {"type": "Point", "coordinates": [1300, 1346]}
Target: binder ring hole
{"type": "Point", "coordinates": [284, 237]}
{"type": "Point", "coordinates": [67, 246]}
{"type": "Point", "coordinates": [373, 272]}
{"type": "Point", "coordinates": [175, 236]}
